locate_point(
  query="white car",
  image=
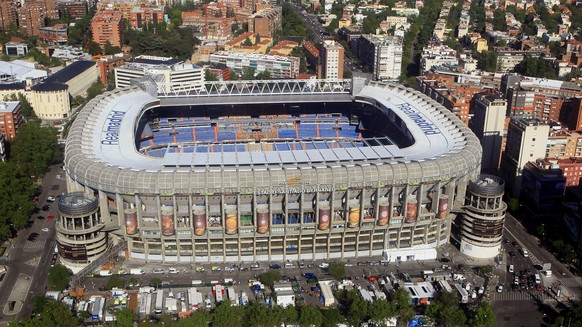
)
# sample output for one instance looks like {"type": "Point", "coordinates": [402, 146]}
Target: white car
{"type": "Point", "coordinates": [159, 271]}
{"type": "Point", "coordinates": [324, 265]}
{"type": "Point", "coordinates": [46, 229]}
{"type": "Point", "coordinates": [229, 269]}
{"type": "Point", "coordinates": [511, 268]}
{"type": "Point", "coordinates": [499, 288]}
{"type": "Point", "coordinates": [50, 199]}
{"type": "Point", "coordinates": [173, 271]}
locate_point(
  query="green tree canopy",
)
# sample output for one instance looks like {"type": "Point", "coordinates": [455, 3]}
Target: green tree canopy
{"type": "Point", "coordinates": [124, 318]}
{"type": "Point", "coordinates": [35, 148]}
{"type": "Point", "coordinates": [337, 270]}
{"type": "Point", "coordinates": [484, 315]}
{"type": "Point", "coordinates": [537, 67]}
{"type": "Point", "coordinates": [58, 277]}
{"type": "Point", "coordinates": [227, 316]}
{"type": "Point", "coordinates": [310, 316]}
{"type": "Point", "coordinates": [270, 277]}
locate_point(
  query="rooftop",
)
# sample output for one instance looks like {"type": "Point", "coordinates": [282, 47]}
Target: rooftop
{"type": "Point", "coordinates": [9, 106]}
{"type": "Point", "coordinates": [71, 71]}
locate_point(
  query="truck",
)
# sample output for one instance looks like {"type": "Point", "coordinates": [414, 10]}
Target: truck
{"type": "Point", "coordinates": [136, 271]}
{"type": "Point", "coordinates": [159, 302]}
{"type": "Point", "coordinates": [232, 296]}
{"type": "Point", "coordinates": [244, 299]}
{"type": "Point", "coordinates": [97, 309]}
{"type": "Point", "coordinates": [328, 299]}
{"type": "Point", "coordinates": [218, 291]}
{"type": "Point", "coordinates": [462, 293]}
{"type": "Point", "coordinates": [195, 298]}
{"type": "Point", "coordinates": [171, 305]}
{"type": "Point", "coordinates": [144, 304]}
{"type": "Point", "coordinates": [366, 295]}
{"type": "Point", "coordinates": [105, 273]}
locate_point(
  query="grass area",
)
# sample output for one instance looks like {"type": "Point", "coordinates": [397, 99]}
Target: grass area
{"type": "Point", "coordinates": [2, 250]}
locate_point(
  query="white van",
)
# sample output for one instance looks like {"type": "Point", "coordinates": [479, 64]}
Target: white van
{"type": "Point", "coordinates": [289, 266]}
{"type": "Point", "coordinates": [197, 282]}
{"type": "Point", "coordinates": [105, 273]}
{"type": "Point", "coordinates": [136, 271]}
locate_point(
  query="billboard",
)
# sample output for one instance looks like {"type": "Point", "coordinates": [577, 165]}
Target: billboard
{"type": "Point", "coordinates": [78, 252]}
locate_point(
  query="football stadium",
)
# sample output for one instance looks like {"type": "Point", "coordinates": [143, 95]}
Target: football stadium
{"type": "Point", "coordinates": [263, 171]}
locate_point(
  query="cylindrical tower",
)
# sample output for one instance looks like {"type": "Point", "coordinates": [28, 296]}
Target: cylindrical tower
{"type": "Point", "coordinates": [482, 224]}
{"type": "Point", "coordinates": [80, 238]}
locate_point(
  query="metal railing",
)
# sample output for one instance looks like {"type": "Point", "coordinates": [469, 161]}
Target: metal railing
{"type": "Point", "coordinates": [254, 88]}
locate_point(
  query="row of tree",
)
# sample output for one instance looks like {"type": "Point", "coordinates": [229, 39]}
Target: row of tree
{"type": "Point", "coordinates": [352, 310]}
{"type": "Point", "coordinates": [29, 155]}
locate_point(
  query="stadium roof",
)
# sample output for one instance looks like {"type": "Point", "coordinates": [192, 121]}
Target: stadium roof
{"type": "Point", "coordinates": [101, 148]}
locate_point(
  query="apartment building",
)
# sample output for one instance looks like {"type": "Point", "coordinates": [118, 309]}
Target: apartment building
{"type": "Point", "coordinates": [107, 26]}
{"type": "Point", "coordinates": [488, 123]}
{"type": "Point", "coordinates": [10, 118]}
{"type": "Point", "coordinates": [331, 60]}
{"type": "Point", "coordinates": [277, 66]}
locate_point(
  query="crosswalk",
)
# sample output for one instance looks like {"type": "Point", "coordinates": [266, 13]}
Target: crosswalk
{"type": "Point", "coordinates": [532, 257]}
{"type": "Point", "coordinates": [33, 245]}
{"type": "Point", "coordinates": [520, 296]}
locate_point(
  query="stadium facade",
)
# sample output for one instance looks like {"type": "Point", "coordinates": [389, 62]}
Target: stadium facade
{"type": "Point", "coordinates": [264, 171]}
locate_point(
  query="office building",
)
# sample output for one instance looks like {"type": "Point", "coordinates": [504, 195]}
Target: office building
{"type": "Point", "coordinates": [277, 66]}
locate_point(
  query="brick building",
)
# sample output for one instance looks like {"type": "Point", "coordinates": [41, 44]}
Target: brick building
{"type": "Point", "coordinates": [10, 118]}
{"type": "Point", "coordinates": [107, 26]}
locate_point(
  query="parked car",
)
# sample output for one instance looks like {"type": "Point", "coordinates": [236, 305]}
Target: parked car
{"type": "Point", "coordinates": [275, 266]}
{"type": "Point", "coordinates": [159, 271]}
{"type": "Point", "coordinates": [500, 288]}
{"type": "Point", "coordinates": [173, 271]}
{"type": "Point", "coordinates": [324, 265]}
{"type": "Point", "coordinates": [46, 207]}
{"type": "Point", "coordinates": [50, 199]}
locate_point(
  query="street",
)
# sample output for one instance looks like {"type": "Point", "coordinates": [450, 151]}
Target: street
{"type": "Point", "coordinates": [29, 260]}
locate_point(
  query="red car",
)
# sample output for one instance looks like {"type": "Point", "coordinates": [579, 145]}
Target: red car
{"type": "Point", "coordinates": [539, 287]}
{"type": "Point", "coordinates": [372, 278]}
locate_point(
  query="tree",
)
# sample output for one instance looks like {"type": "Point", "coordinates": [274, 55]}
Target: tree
{"type": "Point", "coordinates": [337, 270]}
{"type": "Point", "coordinates": [270, 277]}
{"type": "Point", "coordinates": [446, 310]}
{"type": "Point", "coordinates": [58, 277]}
{"type": "Point", "coordinates": [357, 308]}
{"type": "Point", "coordinates": [94, 90]}
{"type": "Point", "coordinates": [537, 67]}
{"type": "Point", "coordinates": [265, 74]}
{"type": "Point", "coordinates": [16, 198]}
{"type": "Point", "coordinates": [25, 105]}
{"type": "Point", "coordinates": [35, 148]}
{"type": "Point", "coordinates": [380, 311]}
{"type": "Point", "coordinates": [310, 316]}
{"type": "Point", "coordinates": [155, 282]}
{"type": "Point", "coordinates": [404, 309]}
{"type": "Point", "coordinates": [484, 315]}
{"type": "Point", "coordinates": [227, 315]}
{"type": "Point", "coordinates": [499, 23]}
{"type": "Point", "coordinates": [114, 282]}
{"type": "Point", "coordinates": [290, 315]}
{"type": "Point", "coordinates": [199, 318]}
{"type": "Point", "coordinates": [486, 60]}
{"type": "Point", "coordinates": [124, 318]}
{"type": "Point", "coordinates": [332, 317]}
{"type": "Point", "coordinates": [248, 74]}
{"type": "Point", "coordinates": [210, 76]}
{"type": "Point", "coordinates": [247, 42]}
{"type": "Point", "coordinates": [38, 302]}
{"type": "Point", "coordinates": [256, 315]}
{"type": "Point", "coordinates": [94, 48]}
{"type": "Point", "coordinates": [109, 49]}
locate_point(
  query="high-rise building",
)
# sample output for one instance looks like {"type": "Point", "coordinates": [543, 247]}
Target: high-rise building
{"type": "Point", "coordinates": [388, 59]}
{"type": "Point", "coordinates": [7, 13]}
{"type": "Point", "coordinates": [10, 118]}
{"type": "Point", "coordinates": [31, 17]}
{"type": "Point", "coordinates": [488, 123]}
{"type": "Point", "coordinates": [382, 54]}
{"type": "Point", "coordinates": [526, 141]}
{"type": "Point", "coordinates": [331, 60]}
{"type": "Point", "coordinates": [107, 26]}
{"type": "Point", "coordinates": [73, 9]}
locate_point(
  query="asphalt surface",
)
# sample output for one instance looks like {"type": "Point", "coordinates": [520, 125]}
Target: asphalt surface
{"type": "Point", "coordinates": [523, 308]}
{"type": "Point", "coordinates": [32, 258]}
